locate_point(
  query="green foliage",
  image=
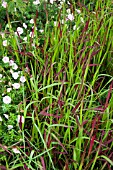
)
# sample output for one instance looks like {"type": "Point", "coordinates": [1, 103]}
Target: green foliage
{"type": "Point", "coordinates": [66, 100]}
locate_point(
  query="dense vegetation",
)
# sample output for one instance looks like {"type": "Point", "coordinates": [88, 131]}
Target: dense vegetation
{"type": "Point", "coordinates": [56, 81]}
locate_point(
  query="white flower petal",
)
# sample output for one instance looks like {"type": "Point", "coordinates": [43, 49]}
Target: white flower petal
{"type": "Point", "coordinates": [6, 116]}
{"type": "Point", "coordinates": [24, 25]}
{"type": "Point", "coordinates": [9, 89]}
{"type": "Point", "coordinates": [5, 43]}
{"type": "Point", "coordinates": [1, 76]}
{"type": "Point", "coordinates": [36, 2]}
{"type": "Point", "coordinates": [16, 85]}
{"type": "Point", "coordinates": [20, 30]}
{"type": "Point", "coordinates": [6, 99]}
{"type": "Point", "coordinates": [5, 59]}
{"type": "Point", "coordinates": [31, 21]}
{"type": "Point", "coordinates": [15, 75]}
{"type": "Point", "coordinates": [15, 150]}
{"type": "Point", "coordinates": [0, 119]}
{"type": "Point", "coordinates": [4, 4]}
{"type": "Point", "coordinates": [10, 127]}
{"type": "Point", "coordinates": [70, 17]}
{"type": "Point", "coordinates": [20, 119]}
{"type": "Point", "coordinates": [22, 79]}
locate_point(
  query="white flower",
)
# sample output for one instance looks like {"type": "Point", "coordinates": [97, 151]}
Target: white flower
{"type": "Point", "coordinates": [51, 1]}
{"type": "Point", "coordinates": [19, 72]}
{"type": "Point", "coordinates": [32, 21]}
{"type": "Point", "coordinates": [74, 27]}
{"type": "Point", "coordinates": [62, 21]}
{"type": "Point", "coordinates": [15, 150]}
{"type": "Point", "coordinates": [22, 79]}
{"type": "Point", "coordinates": [25, 38]}
{"type": "Point", "coordinates": [20, 30]}
{"type": "Point", "coordinates": [41, 31]}
{"type": "Point", "coordinates": [6, 99]}
{"type": "Point", "coordinates": [33, 45]}
{"type": "Point", "coordinates": [15, 75]}
{"type": "Point", "coordinates": [4, 4]}
{"type": "Point", "coordinates": [11, 71]}
{"type": "Point", "coordinates": [14, 66]}
{"type": "Point", "coordinates": [24, 25]}
{"type": "Point", "coordinates": [81, 19]}
{"type": "Point", "coordinates": [61, 2]}
{"type": "Point", "coordinates": [20, 119]}
{"type": "Point", "coordinates": [5, 43]}
{"type": "Point", "coordinates": [30, 34]}
{"type": "Point", "coordinates": [5, 59]}
{"type": "Point", "coordinates": [2, 34]}
{"type": "Point", "coordinates": [94, 12]}
{"type": "Point", "coordinates": [9, 83]}
{"type": "Point", "coordinates": [68, 11]}
{"type": "Point", "coordinates": [16, 85]}
{"type": "Point", "coordinates": [0, 119]}
{"type": "Point", "coordinates": [6, 116]}
{"type": "Point", "coordinates": [11, 62]}
{"type": "Point", "coordinates": [36, 2]}
{"type": "Point", "coordinates": [78, 11]}
{"type": "Point", "coordinates": [10, 127]}
{"type": "Point", "coordinates": [55, 23]}
{"type": "Point", "coordinates": [34, 27]}
{"type": "Point", "coordinates": [16, 33]}
{"type": "Point", "coordinates": [1, 76]}
{"type": "Point", "coordinates": [9, 89]}
{"type": "Point", "coordinates": [70, 17]}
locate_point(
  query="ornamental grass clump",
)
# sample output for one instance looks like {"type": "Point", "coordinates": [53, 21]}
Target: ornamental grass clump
{"type": "Point", "coordinates": [56, 91]}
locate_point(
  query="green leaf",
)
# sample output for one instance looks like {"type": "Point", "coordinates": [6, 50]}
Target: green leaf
{"type": "Point", "coordinates": [107, 159]}
{"type": "Point", "coordinates": [20, 5]}
{"type": "Point", "coordinates": [11, 6]}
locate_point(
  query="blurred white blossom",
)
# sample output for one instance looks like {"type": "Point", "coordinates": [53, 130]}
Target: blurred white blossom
{"type": "Point", "coordinates": [82, 20]}
{"type": "Point", "coordinates": [5, 59]}
{"type": "Point", "coordinates": [20, 30]}
{"type": "Point", "coordinates": [36, 2]}
{"type": "Point", "coordinates": [24, 25]}
{"type": "Point", "coordinates": [51, 1]}
{"type": "Point", "coordinates": [4, 4]}
{"type": "Point", "coordinates": [5, 43]}
{"type": "Point", "coordinates": [7, 99]}
{"type": "Point", "coordinates": [70, 17]}
{"type": "Point", "coordinates": [31, 34]}
{"type": "Point", "coordinates": [15, 150]}
{"type": "Point", "coordinates": [74, 27]}
{"type": "Point", "coordinates": [9, 89]}
{"type": "Point", "coordinates": [16, 85]}
{"type": "Point", "coordinates": [68, 11]}
{"type": "Point", "coordinates": [1, 76]}
{"type": "Point", "coordinates": [22, 79]}
{"type": "Point", "coordinates": [55, 23]}
{"type": "Point", "coordinates": [14, 66]}
{"type": "Point", "coordinates": [2, 34]}
{"type": "Point", "coordinates": [20, 118]}
{"type": "Point", "coordinates": [0, 119]}
{"type": "Point", "coordinates": [11, 62]}
{"type": "Point", "coordinates": [6, 116]}
{"type": "Point", "coordinates": [41, 31]}
{"type": "Point", "coordinates": [10, 127]}
{"type": "Point", "coordinates": [31, 21]}
{"type": "Point", "coordinates": [25, 38]}
{"type": "Point", "coordinates": [78, 11]}
{"type": "Point", "coordinates": [15, 75]}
